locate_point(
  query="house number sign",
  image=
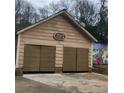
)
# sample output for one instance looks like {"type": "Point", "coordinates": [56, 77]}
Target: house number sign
{"type": "Point", "coordinates": [59, 36]}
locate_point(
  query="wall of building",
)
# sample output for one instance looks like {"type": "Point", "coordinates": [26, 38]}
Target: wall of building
{"type": "Point", "coordinates": [43, 35]}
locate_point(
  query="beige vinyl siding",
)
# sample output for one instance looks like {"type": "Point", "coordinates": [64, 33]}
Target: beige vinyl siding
{"type": "Point", "coordinates": [43, 35]}
{"type": "Point", "coordinates": [59, 55]}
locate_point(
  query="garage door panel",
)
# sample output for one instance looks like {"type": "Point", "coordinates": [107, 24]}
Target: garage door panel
{"type": "Point", "coordinates": [31, 63]}
{"type": "Point", "coordinates": [32, 51]}
{"type": "Point", "coordinates": [47, 69]}
{"type": "Point", "coordinates": [31, 48]}
{"type": "Point", "coordinates": [69, 69]}
{"type": "Point", "coordinates": [47, 58]}
{"type": "Point", "coordinates": [39, 58]}
{"type": "Point", "coordinates": [47, 65]}
{"type": "Point", "coordinates": [82, 59]}
{"type": "Point", "coordinates": [82, 69]}
{"type": "Point", "coordinates": [34, 67]}
{"type": "Point", "coordinates": [31, 58]}
{"type": "Point", "coordinates": [84, 65]}
{"type": "Point", "coordinates": [83, 54]}
{"type": "Point", "coordinates": [69, 59]}
{"type": "Point", "coordinates": [32, 55]}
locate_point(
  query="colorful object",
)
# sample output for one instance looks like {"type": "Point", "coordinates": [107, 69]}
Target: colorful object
{"type": "Point", "coordinates": [100, 54]}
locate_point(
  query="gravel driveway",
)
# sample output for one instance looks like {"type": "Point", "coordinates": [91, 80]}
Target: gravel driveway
{"type": "Point", "coordinates": [62, 83]}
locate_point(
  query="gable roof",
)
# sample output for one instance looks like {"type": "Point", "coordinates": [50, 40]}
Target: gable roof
{"type": "Point", "coordinates": [65, 13]}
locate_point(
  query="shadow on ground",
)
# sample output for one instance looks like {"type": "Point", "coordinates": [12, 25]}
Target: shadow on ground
{"type": "Point", "coordinates": [24, 85]}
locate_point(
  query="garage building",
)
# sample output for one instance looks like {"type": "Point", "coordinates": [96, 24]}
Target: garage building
{"type": "Point", "coordinates": [55, 44]}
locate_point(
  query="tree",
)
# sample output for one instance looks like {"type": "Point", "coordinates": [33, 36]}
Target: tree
{"type": "Point", "coordinates": [25, 14]}
{"type": "Point", "coordinates": [43, 13]}
{"type": "Point", "coordinates": [86, 12]}
{"type": "Point", "coordinates": [103, 11]}
{"type": "Point", "coordinates": [36, 17]}
{"type": "Point", "coordinates": [53, 8]}
{"type": "Point", "coordinates": [64, 4]}
{"type": "Point", "coordinates": [18, 7]}
{"type": "Point", "coordinates": [102, 25]}
{"type": "Point", "coordinates": [95, 19]}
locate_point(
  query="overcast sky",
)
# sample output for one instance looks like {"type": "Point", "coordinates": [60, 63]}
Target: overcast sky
{"type": "Point", "coordinates": [41, 3]}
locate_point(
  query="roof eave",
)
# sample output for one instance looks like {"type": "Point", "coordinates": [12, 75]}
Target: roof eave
{"type": "Point", "coordinates": [92, 37]}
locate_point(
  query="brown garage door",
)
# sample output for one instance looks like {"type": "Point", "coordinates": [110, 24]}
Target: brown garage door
{"type": "Point", "coordinates": [75, 59]}
{"type": "Point", "coordinates": [47, 58]}
{"type": "Point", "coordinates": [39, 58]}
{"type": "Point", "coordinates": [31, 58]}
{"type": "Point", "coordinates": [69, 59]}
{"type": "Point", "coordinates": [82, 59]}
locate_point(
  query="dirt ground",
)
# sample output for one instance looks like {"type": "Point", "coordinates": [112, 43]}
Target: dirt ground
{"type": "Point", "coordinates": [62, 83]}
{"type": "Point", "coordinates": [24, 85]}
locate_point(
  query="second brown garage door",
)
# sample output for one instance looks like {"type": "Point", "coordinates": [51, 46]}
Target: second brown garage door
{"type": "Point", "coordinates": [31, 58]}
{"type": "Point", "coordinates": [82, 59]}
{"type": "Point", "coordinates": [39, 58]}
{"type": "Point", "coordinates": [69, 59]}
{"type": "Point", "coordinates": [47, 58]}
{"type": "Point", "coordinates": [75, 59]}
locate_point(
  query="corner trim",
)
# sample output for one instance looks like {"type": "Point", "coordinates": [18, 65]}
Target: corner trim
{"type": "Point", "coordinates": [17, 53]}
